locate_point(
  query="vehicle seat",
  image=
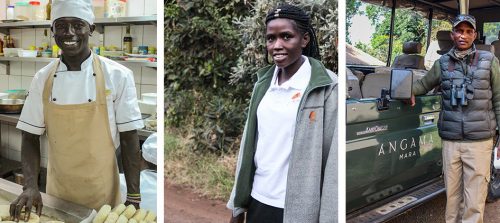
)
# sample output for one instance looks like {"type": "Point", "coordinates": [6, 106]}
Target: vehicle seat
{"type": "Point", "coordinates": [374, 82]}
{"type": "Point", "coordinates": [484, 47]}
{"type": "Point", "coordinates": [496, 44]}
{"type": "Point", "coordinates": [444, 41]}
{"type": "Point", "coordinates": [410, 57]}
{"type": "Point", "coordinates": [353, 87]}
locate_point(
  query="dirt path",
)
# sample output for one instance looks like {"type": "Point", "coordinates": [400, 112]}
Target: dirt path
{"type": "Point", "coordinates": [184, 206]}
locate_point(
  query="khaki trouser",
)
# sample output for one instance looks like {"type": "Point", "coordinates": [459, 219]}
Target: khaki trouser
{"type": "Point", "coordinates": [466, 167]}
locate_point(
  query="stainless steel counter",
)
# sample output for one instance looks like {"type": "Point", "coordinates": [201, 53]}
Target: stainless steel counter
{"type": "Point", "coordinates": [52, 207]}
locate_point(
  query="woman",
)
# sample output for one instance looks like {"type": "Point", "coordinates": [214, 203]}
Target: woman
{"type": "Point", "coordinates": [287, 166]}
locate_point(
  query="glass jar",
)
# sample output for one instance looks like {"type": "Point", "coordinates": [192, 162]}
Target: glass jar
{"type": "Point", "coordinates": [21, 10]}
{"type": "Point", "coordinates": [37, 11]}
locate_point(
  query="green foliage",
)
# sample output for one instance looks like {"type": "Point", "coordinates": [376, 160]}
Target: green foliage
{"type": "Point", "coordinates": [201, 44]}
{"type": "Point", "coordinates": [408, 26]}
{"type": "Point", "coordinates": [212, 52]}
{"type": "Point", "coordinates": [490, 30]}
{"type": "Point", "coordinates": [324, 20]}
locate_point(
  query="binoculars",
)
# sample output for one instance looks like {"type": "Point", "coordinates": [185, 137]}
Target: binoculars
{"type": "Point", "coordinates": [459, 95]}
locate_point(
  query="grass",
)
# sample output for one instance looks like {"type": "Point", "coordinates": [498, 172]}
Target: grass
{"type": "Point", "coordinates": [208, 174]}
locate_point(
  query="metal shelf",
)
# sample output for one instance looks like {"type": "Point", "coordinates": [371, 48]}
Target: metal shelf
{"type": "Point", "coordinates": [136, 20]}
{"type": "Point", "coordinates": [47, 60]}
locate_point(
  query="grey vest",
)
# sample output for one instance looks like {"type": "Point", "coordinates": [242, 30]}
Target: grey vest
{"type": "Point", "coordinates": [476, 120]}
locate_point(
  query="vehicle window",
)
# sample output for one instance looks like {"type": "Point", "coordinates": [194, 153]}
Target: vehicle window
{"type": "Point", "coordinates": [491, 31]}
{"type": "Point", "coordinates": [369, 29]}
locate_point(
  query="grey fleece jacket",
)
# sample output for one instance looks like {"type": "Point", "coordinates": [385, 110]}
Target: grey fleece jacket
{"type": "Point", "coordinates": [311, 194]}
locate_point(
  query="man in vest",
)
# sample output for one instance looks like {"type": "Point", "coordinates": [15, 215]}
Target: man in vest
{"type": "Point", "coordinates": [87, 106]}
{"type": "Point", "coordinates": [470, 85]}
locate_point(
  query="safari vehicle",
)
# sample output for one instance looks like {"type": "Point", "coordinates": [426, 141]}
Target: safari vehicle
{"type": "Point", "coordinates": [394, 160]}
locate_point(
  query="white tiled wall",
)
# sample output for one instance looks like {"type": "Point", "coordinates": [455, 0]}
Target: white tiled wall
{"type": "Point", "coordinates": [21, 73]}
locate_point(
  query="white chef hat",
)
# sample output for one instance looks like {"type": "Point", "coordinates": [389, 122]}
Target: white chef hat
{"type": "Point", "coordinates": [72, 8]}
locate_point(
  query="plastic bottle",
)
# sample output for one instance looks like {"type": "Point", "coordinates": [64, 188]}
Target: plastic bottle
{"type": "Point", "coordinates": [45, 40]}
{"type": "Point", "coordinates": [101, 44]}
{"type": "Point", "coordinates": [10, 13]}
{"type": "Point", "coordinates": [1, 47]}
{"type": "Point", "coordinates": [55, 51]}
{"type": "Point", "coordinates": [48, 8]}
{"type": "Point", "coordinates": [37, 11]}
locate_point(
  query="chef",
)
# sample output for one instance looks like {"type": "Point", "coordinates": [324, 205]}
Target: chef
{"type": "Point", "coordinates": [87, 106]}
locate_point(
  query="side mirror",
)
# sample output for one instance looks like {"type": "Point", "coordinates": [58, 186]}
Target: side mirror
{"type": "Point", "coordinates": [401, 83]}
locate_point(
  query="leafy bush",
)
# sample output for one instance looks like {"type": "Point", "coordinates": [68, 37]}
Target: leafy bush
{"type": "Point", "coordinates": [212, 51]}
{"type": "Point", "coordinates": [324, 20]}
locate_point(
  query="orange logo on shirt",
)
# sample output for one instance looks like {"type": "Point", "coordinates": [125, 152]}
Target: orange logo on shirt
{"type": "Point", "coordinates": [295, 96]}
{"type": "Point", "coordinates": [312, 116]}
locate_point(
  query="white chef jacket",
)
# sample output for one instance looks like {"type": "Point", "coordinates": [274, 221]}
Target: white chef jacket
{"type": "Point", "coordinates": [78, 87]}
{"type": "Point", "coordinates": [276, 118]}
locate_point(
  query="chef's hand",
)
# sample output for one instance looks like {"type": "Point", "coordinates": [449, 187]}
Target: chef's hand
{"type": "Point", "coordinates": [238, 219]}
{"type": "Point", "coordinates": [136, 205]}
{"type": "Point", "coordinates": [29, 197]}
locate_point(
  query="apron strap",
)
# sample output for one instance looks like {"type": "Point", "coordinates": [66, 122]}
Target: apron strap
{"type": "Point", "coordinates": [100, 82]}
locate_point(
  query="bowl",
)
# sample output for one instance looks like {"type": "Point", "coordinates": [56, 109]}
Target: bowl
{"type": "Point", "coordinates": [149, 97]}
{"type": "Point", "coordinates": [11, 52]}
{"type": "Point", "coordinates": [16, 94]}
{"type": "Point", "coordinates": [26, 53]}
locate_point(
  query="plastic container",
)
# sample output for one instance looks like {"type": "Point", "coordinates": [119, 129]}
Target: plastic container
{"type": "Point", "coordinates": [98, 8]}
{"type": "Point", "coordinates": [10, 13]}
{"type": "Point", "coordinates": [115, 8]}
{"type": "Point", "coordinates": [27, 53]}
{"type": "Point", "coordinates": [21, 10]}
{"type": "Point", "coordinates": [37, 11]}
{"type": "Point", "coordinates": [11, 52]}
{"type": "Point", "coordinates": [47, 53]}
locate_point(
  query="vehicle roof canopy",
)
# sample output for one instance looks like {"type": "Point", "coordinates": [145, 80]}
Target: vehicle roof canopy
{"type": "Point", "coordinates": [483, 10]}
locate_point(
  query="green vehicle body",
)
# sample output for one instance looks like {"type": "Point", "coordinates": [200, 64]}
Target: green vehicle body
{"type": "Point", "coordinates": [390, 151]}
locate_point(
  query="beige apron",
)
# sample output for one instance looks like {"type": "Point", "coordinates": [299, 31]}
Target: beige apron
{"type": "Point", "coordinates": [81, 157]}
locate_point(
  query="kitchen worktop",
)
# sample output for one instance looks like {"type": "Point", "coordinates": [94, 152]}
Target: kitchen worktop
{"type": "Point", "coordinates": [12, 119]}
{"type": "Point", "coordinates": [54, 207]}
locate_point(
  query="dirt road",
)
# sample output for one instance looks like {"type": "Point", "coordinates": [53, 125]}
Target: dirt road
{"type": "Point", "coordinates": [433, 211]}
{"type": "Point", "coordinates": [184, 206]}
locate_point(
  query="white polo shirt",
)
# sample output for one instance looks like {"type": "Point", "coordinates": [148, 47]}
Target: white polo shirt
{"type": "Point", "coordinates": [78, 87]}
{"type": "Point", "coordinates": [276, 117]}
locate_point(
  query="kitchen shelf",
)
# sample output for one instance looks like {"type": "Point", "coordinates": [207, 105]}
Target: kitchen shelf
{"type": "Point", "coordinates": [47, 60]}
{"type": "Point", "coordinates": [136, 20]}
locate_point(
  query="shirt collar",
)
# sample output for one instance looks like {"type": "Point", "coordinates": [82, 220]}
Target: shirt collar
{"type": "Point", "coordinates": [86, 64]}
{"type": "Point", "coordinates": [298, 81]}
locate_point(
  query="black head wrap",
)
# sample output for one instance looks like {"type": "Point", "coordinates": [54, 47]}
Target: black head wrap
{"type": "Point", "coordinates": [303, 22]}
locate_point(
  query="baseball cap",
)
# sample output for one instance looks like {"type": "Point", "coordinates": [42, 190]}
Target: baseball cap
{"type": "Point", "coordinates": [465, 18]}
